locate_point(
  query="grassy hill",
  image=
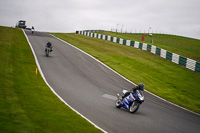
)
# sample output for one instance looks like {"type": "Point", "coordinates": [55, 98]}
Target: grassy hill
{"type": "Point", "coordinates": [184, 46]}
{"type": "Point", "coordinates": [26, 103]}
{"type": "Point", "coordinates": [161, 77]}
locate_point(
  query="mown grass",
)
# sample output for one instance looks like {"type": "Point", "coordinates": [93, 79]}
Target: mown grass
{"type": "Point", "coordinates": [183, 46]}
{"type": "Point", "coordinates": [161, 77]}
{"type": "Point", "coordinates": [26, 103]}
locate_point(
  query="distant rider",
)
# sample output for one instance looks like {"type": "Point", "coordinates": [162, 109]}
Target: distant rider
{"type": "Point", "coordinates": [32, 29]}
{"type": "Point", "coordinates": [48, 45]}
{"type": "Point", "coordinates": [133, 90]}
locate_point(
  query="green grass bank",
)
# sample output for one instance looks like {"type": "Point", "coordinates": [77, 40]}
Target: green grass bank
{"type": "Point", "coordinates": [161, 77]}
{"type": "Point", "coordinates": [183, 46]}
{"type": "Point", "coordinates": [26, 103]}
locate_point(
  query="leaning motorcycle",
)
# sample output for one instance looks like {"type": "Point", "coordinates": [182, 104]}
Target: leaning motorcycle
{"type": "Point", "coordinates": [47, 51]}
{"type": "Point", "coordinates": [131, 102]}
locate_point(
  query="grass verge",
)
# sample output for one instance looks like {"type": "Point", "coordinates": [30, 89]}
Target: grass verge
{"type": "Point", "coordinates": [183, 46]}
{"type": "Point", "coordinates": [26, 103]}
{"type": "Point", "coordinates": [161, 77]}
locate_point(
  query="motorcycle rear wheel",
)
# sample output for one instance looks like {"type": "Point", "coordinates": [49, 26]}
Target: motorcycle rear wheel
{"type": "Point", "coordinates": [134, 107]}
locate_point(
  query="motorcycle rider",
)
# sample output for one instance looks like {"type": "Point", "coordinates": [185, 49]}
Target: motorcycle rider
{"type": "Point", "coordinates": [32, 29]}
{"type": "Point", "coordinates": [48, 45]}
{"type": "Point", "coordinates": [140, 86]}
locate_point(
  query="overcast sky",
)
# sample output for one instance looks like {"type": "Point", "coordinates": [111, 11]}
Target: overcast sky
{"type": "Point", "coordinates": [180, 17]}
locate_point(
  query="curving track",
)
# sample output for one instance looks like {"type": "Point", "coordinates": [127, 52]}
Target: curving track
{"type": "Point", "coordinates": [89, 87]}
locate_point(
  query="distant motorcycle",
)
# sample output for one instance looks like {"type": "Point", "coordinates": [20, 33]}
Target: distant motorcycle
{"type": "Point", "coordinates": [47, 51]}
{"type": "Point", "coordinates": [131, 102]}
{"type": "Point", "coordinates": [32, 30]}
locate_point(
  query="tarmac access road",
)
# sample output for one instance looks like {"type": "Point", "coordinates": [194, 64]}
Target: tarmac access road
{"type": "Point", "coordinates": [90, 88]}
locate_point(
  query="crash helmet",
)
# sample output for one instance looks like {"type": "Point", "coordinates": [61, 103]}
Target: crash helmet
{"type": "Point", "coordinates": [141, 86]}
{"type": "Point", "coordinates": [49, 44]}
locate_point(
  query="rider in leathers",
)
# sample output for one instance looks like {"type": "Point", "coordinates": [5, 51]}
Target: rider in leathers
{"type": "Point", "coordinates": [133, 90]}
{"type": "Point", "coordinates": [49, 45]}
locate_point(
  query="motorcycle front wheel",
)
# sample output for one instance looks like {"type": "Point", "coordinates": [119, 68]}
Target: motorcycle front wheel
{"type": "Point", "coordinates": [134, 107]}
{"type": "Point", "coordinates": [118, 103]}
{"type": "Point", "coordinates": [47, 54]}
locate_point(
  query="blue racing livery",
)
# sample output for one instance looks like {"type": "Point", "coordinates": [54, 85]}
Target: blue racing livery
{"type": "Point", "coordinates": [131, 102]}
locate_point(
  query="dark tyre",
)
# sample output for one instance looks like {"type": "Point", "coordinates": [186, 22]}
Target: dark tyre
{"type": "Point", "coordinates": [47, 52]}
{"type": "Point", "coordinates": [134, 106]}
{"type": "Point", "coordinates": [118, 103]}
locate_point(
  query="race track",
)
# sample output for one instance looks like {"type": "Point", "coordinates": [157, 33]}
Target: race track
{"type": "Point", "coordinates": [90, 88]}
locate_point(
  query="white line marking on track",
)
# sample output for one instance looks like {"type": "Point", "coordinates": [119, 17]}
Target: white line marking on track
{"type": "Point", "coordinates": [123, 76]}
{"type": "Point", "coordinates": [41, 72]}
{"type": "Point", "coordinates": [109, 97]}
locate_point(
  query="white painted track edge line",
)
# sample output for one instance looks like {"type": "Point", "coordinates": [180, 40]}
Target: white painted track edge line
{"type": "Point", "coordinates": [123, 76]}
{"type": "Point", "coordinates": [94, 59]}
{"type": "Point", "coordinates": [40, 70]}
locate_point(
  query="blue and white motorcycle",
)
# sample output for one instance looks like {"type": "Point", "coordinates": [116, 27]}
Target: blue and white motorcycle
{"type": "Point", "coordinates": [131, 102]}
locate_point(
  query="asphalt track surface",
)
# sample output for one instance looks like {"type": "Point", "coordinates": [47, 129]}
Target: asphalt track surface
{"type": "Point", "coordinates": [89, 87]}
